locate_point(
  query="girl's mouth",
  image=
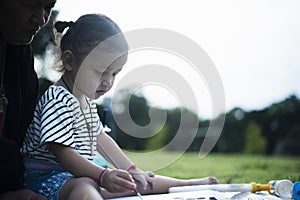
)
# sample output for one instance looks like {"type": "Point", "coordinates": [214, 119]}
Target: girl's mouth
{"type": "Point", "coordinates": [100, 92]}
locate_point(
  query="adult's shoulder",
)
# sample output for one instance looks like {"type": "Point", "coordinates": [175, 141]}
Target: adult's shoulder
{"type": "Point", "coordinates": [21, 50]}
{"type": "Point", "coordinates": [20, 57]}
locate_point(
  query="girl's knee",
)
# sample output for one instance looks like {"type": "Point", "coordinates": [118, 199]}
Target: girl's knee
{"type": "Point", "coordinates": [76, 187]}
{"type": "Point", "coordinates": [82, 181]}
{"type": "Point", "coordinates": [86, 181]}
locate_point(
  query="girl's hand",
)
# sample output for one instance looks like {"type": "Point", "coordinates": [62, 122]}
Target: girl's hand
{"type": "Point", "coordinates": [118, 181]}
{"type": "Point", "coordinates": [141, 177]}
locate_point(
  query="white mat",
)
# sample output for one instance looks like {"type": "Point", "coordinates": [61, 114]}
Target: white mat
{"type": "Point", "coordinates": [205, 195]}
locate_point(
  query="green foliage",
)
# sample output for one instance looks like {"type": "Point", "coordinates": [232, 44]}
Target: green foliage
{"type": "Point", "coordinates": [274, 130]}
{"type": "Point", "coordinates": [138, 110]}
{"type": "Point", "coordinates": [232, 137]}
{"type": "Point", "coordinates": [173, 121]}
{"type": "Point", "coordinates": [255, 142]}
{"type": "Point", "coordinates": [157, 141]}
{"type": "Point", "coordinates": [279, 124]}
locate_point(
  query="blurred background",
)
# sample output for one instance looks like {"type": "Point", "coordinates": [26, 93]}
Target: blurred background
{"type": "Point", "coordinates": [255, 47]}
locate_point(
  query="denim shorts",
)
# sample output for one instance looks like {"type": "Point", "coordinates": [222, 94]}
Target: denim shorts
{"type": "Point", "coordinates": [47, 183]}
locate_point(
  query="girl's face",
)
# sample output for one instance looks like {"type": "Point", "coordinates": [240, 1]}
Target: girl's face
{"type": "Point", "coordinates": [21, 19]}
{"type": "Point", "coordinates": [97, 73]}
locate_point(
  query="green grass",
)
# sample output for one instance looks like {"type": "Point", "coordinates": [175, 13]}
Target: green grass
{"type": "Point", "coordinates": [228, 168]}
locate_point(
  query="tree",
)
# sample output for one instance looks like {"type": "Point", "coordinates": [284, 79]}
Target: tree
{"type": "Point", "coordinates": [135, 109]}
{"type": "Point", "coordinates": [233, 133]}
{"type": "Point", "coordinates": [255, 142]}
{"type": "Point", "coordinates": [158, 140]}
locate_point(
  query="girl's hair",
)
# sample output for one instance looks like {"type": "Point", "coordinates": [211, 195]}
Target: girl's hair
{"type": "Point", "coordinates": [86, 33]}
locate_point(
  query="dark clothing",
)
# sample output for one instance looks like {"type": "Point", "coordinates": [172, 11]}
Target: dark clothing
{"type": "Point", "coordinates": [11, 167]}
{"type": "Point", "coordinates": [21, 88]}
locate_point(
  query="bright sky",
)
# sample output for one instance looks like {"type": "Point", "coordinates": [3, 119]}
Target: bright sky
{"type": "Point", "coordinates": [254, 44]}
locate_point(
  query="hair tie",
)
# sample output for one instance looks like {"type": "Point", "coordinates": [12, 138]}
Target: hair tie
{"type": "Point", "coordinates": [70, 23]}
{"type": "Point", "coordinates": [60, 26]}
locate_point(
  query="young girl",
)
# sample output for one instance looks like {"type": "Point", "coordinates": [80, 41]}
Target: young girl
{"type": "Point", "coordinates": [66, 131]}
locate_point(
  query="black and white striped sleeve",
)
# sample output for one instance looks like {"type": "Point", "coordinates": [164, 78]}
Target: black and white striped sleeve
{"type": "Point", "coordinates": [57, 121]}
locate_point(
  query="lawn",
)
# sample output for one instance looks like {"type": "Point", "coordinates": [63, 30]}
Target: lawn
{"type": "Point", "coordinates": [228, 168]}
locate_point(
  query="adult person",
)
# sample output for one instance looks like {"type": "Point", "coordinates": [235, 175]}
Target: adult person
{"type": "Point", "coordinates": [19, 22]}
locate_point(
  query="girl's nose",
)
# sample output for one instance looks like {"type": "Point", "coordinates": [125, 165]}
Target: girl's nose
{"type": "Point", "coordinates": [107, 81]}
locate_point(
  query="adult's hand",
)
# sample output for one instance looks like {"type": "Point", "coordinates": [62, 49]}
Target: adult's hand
{"type": "Point", "coordinates": [23, 194]}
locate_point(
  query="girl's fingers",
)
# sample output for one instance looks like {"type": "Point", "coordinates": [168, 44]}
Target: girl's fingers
{"type": "Point", "coordinates": [125, 182]}
{"type": "Point", "coordinates": [120, 181]}
{"type": "Point", "coordinates": [150, 173]}
{"type": "Point", "coordinates": [144, 182]}
{"type": "Point", "coordinates": [125, 175]}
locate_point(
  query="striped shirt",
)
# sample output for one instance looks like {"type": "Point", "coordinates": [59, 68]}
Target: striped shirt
{"type": "Point", "coordinates": [58, 118]}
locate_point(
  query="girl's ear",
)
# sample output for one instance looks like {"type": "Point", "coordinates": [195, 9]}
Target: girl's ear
{"type": "Point", "coordinates": [68, 60]}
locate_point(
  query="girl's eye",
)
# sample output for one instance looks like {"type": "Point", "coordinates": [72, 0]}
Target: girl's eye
{"type": "Point", "coordinates": [98, 73]}
{"type": "Point", "coordinates": [116, 73]}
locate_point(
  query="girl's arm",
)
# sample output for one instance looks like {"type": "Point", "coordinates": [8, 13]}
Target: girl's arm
{"type": "Point", "coordinates": [114, 154]}
{"type": "Point", "coordinates": [70, 160]}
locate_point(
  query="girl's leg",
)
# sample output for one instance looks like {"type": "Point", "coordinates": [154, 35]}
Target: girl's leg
{"type": "Point", "coordinates": [80, 188]}
{"type": "Point", "coordinates": [161, 184]}
{"type": "Point", "coordinates": [108, 195]}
